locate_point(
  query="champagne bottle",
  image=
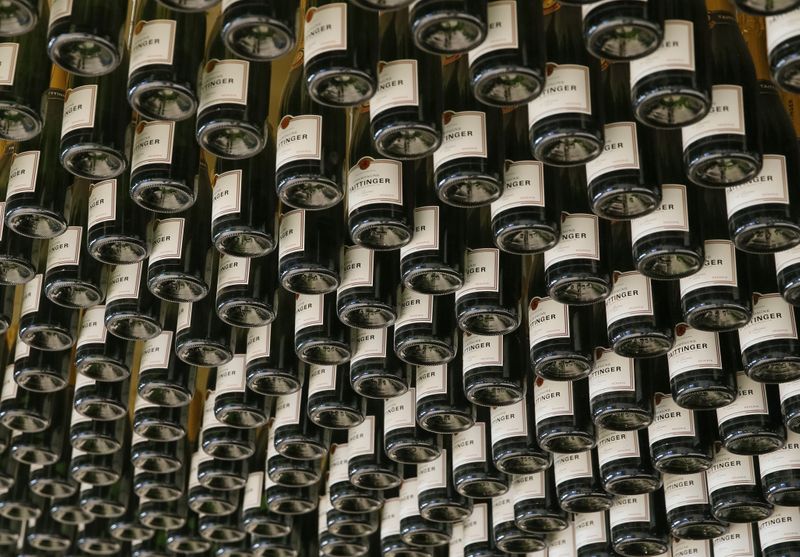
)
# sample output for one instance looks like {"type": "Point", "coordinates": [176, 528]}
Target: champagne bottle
{"type": "Point", "coordinates": [779, 472]}
{"type": "Point", "coordinates": [201, 338]}
{"type": "Point", "coordinates": [19, 18]}
{"type": "Point", "coordinates": [18, 503]}
{"type": "Point", "coordinates": [415, 530]}
{"type": "Point", "coordinates": [94, 127]}
{"type": "Point", "coordinates": [578, 484]}
{"type": "Point", "coordinates": [309, 250]}
{"type": "Point", "coordinates": [87, 37]}
{"type": "Point", "coordinates": [536, 507]}
{"type": "Point", "coordinates": [494, 369]}
{"type": "Point", "coordinates": [468, 165]}
{"type": "Point", "coordinates": [508, 67]}
{"type": "Point", "coordinates": [296, 436]}
{"type": "Point", "coordinates": [508, 537]}
{"type": "Point", "coordinates": [790, 404]}
{"type": "Point", "coordinates": [34, 198]}
{"type": "Point", "coordinates": [232, 102]}
{"type": "Point", "coordinates": [622, 180]}
{"type": "Point", "coordinates": [42, 448]}
{"type": "Point", "coordinates": [242, 209]}
{"type": "Point", "coordinates": [158, 429]}
{"type": "Point", "coordinates": [782, 40]}
{"type": "Point", "coordinates": [442, 406]}
{"type": "Point", "coordinates": [620, 394]}
{"type": "Point", "coordinates": [49, 535]}
{"type": "Point", "coordinates": [165, 158]}
{"type": "Point", "coordinates": [17, 253]}
{"type": "Point", "coordinates": [287, 471]}
{"type": "Point", "coordinates": [688, 509]}
{"type": "Point", "coordinates": [21, 409]}
{"type": "Point", "coordinates": [431, 262]}
{"type": "Point", "coordinates": [624, 468]}
{"type": "Point", "coordinates": [563, 422]}
{"type": "Point", "coordinates": [446, 27]}
{"type": "Point", "coordinates": [489, 302]}
{"type": "Point", "coordinates": [44, 324]}
{"type": "Point", "coordinates": [319, 337]}
{"type": "Point", "coordinates": [724, 148]}
{"type": "Point", "coordinates": [158, 88]}
{"type": "Point", "coordinates": [346, 498]}
{"type": "Point", "coordinates": [309, 165]}
{"type": "Point", "coordinates": [751, 424]}
{"type": "Point", "coordinates": [380, 193]}
{"type": "Point", "coordinates": [741, 538]}
{"type": "Point", "coordinates": [621, 30]}
{"type": "Point", "coordinates": [186, 538]}
{"type": "Point", "coordinates": [404, 112]}
{"type": "Point", "coordinates": [404, 441]}
{"type": "Point", "coordinates": [375, 370]}
{"type": "Point", "coordinates": [98, 355]}
{"type": "Point", "coordinates": [474, 472]}
{"type": "Point", "coordinates": [258, 30]}
{"type": "Point", "coordinates": [566, 120]}
{"type": "Point", "coordinates": [527, 217]}
{"type": "Point", "coordinates": [593, 534]}
{"type": "Point", "coordinates": [392, 545]}
{"type": "Point", "coordinates": [7, 295]}
{"type": "Point", "coordinates": [341, 53]}
{"type": "Point", "coordinates": [236, 404]}
{"type": "Point", "coordinates": [202, 499]}
{"type": "Point", "coordinates": [368, 465]}
{"type": "Point", "coordinates": [246, 288]}
{"type": "Point", "coordinates": [680, 439]}
{"type": "Point", "coordinates": [515, 449]}
{"type": "Point", "coordinates": [787, 273]}
{"type": "Point", "coordinates": [777, 533]}
{"type": "Point", "coordinates": [223, 442]}
{"type": "Point", "coordinates": [436, 491]}
{"type": "Point", "coordinates": [733, 488]}
{"type": "Point", "coordinates": [101, 400]}
{"type": "Point", "coordinates": [367, 290]}
{"type": "Point", "coordinates": [425, 332]}
{"type": "Point", "coordinates": [256, 520]}
{"type": "Point", "coordinates": [671, 87]}
{"type": "Point", "coordinates": [43, 371]}
{"type": "Point", "coordinates": [332, 402]}
{"type": "Point", "coordinates": [638, 524]}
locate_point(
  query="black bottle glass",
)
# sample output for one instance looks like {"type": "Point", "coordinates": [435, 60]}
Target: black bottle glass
{"type": "Point", "coordinates": [164, 379]}
{"type": "Point", "coordinates": [44, 324]}
{"type": "Point", "coordinates": [332, 402]}
{"type": "Point", "coordinates": [17, 253]}
{"type": "Point", "coordinates": [734, 490]}
{"type": "Point", "coordinates": [296, 436]}
{"type": "Point", "coordinates": [368, 465]}
{"type": "Point", "coordinates": [621, 30]}
{"type": "Point", "coordinates": [752, 424]}
{"type": "Point", "coordinates": [494, 368]}
{"type": "Point", "coordinates": [404, 441]}
{"type": "Point", "coordinates": [536, 506]}
{"type": "Point", "coordinates": [392, 545]}
{"type": "Point", "coordinates": [258, 30]}
{"type": "Point", "coordinates": [508, 537]}
{"type": "Point", "coordinates": [781, 41]}
{"type": "Point", "coordinates": [367, 288]}
{"type": "Point", "coordinates": [624, 462]}
{"type": "Point", "coordinates": [41, 370]}
{"type": "Point", "coordinates": [236, 405]}
{"type": "Point", "coordinates": [780, 478]}
{"type": "Point", "coordinates": [425, 332]}
{"type": "Point", "coordinates": [309, 250]}
{"type": "Point", "coordinates": [442, 406]}
{"type": "Point", "coordinates": [680, 439]}
{"type": "Point", "coordinates": [416, 530]}
{"type": "Point", "coordinates": [201, 338]}
{"type": "Point", "coordinates": [436, 491]}
{"type": "Point", "coordinates": [638, 524]}
{"type": "Point", "coordinates": [777, 534]}
{"type": "Point", "coordinates": [21, 409]}
{"type": "Point", "coordinates": [688, 509]}
{"type": "Point", "coordinates": [447, 27]}
{"type": "Point", "coordinates": [222, 442]}
{"type": "Point", "coordinates": [474, 471]}
{"type": "Point", "coordinates": [563, 421]}
{"type": "Point", "coordinates": [99, 355]}
{"type": "Point", "coordinates": [101, 400]}
{"type": "Point", "coordinates": [515, 449]}
{"type": "Point", "coordinates": [620, 392]}
{"type": "Point", "coordinates": [375, 370]}
{"type": "Point", "coordinates": [345, 497]}
{"type": "Point", "coordinates": [116, 229]}
{"type": "Point", "coordinates": [246, 287]}
{"type": "Point", "coordinates": [578, 484]}
{"type": "Point", "coordinates": [319, 337]}
{"type": "Point", "coordinates": [132, 312]}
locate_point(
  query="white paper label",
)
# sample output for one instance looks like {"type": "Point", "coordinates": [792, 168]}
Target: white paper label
{"type": "Point", "coordinates": [693, 350]}
{"type": "Point", "coordinates": [325, 30]}
{"type": "Point", "coordinates": [561, 543]}
{"type": "Point", "coordinates": [736, 542]}
{"type": "Point", "coordinates": [233, 271]}
{"type": "Point", "coordinates": [231, 377]}
{"type": "Point", "coordinates": [782, 27]}
{"type": "Point", "coordinates": [431, 380]}
{"type": "Point", "coordinates": [502, 509]}
{"type": "Point", "coordinates": [509, 421]}
{"type": "Point", "coordinates": [620, 151]}
{"type": "Point", "coordinates": [287, 410]}
{"type": "Point", "coordinates": [367, 343]}
{"type": "Point", "coordinates": [481, 351]}
{"type": "Point", "coordinates": [152, 144]}
{"type": "Point", "coordinates": [524, 187]}
{"type": "Point", "coordinates": [463, 135]}
{"type": "Point", "coordinates": [616, 445]}
{"type": "Point", "coordinates": [470, 445]}
{"type": "Point", "coordinates": [579, 240]}
{"type": "Point", "coordinates": [79, 108]}
{"type": "Point", "coordinates": [751, 400]}
{"type": "Point", "coordinates": [630, 508]}
{"type": "Point", "coordinates": [184, 319]}
{"type": "Point", "coordinates": [728, 470]}
{"type": "Point", "coordinates": [691, 548]}
{"type": "Point", "coordinates": [397, 86]}
{"type": "Point", "coordinates": [399, 412]}
{"type": "Point", "coordinates": [102, 203]}
{"type": "Point", "coordinates": [167, 240]}
{"type": "Point", "coordinates": [124, 282]}
{"type": "Point", "coordinates": [670, 216]}
{"type": "Point", "coordinates": [298, 138]}
{"type": "Point", "coordinates": [789, 390]}
{"type": "Point", "coordinates": [30, 295]}
{"type": "Point", "coordinates": [611, 373]}
{"type": "Point", "coordinates": [670, 420]}
{"type": "Point", "coordinates": [23, 173]}
{"type": "Point", "coordinates": [390, 518]}
{"type": "Point", "coordinates": [783, 526]}
{"type": "Point", "coordinates": [684, 490]}
{"type": "Point", "coordinates": [253, 491]}
{"type": "Point", "coordinates": [59, 9]}
{"type": "Point", "coordinates": [65, 249]}
{"type": "Point", "coordinates": [771, 185]}
{"type": "Point", "coordinates": [340, 458]}
{"type": "Point", "coordinates": [223, 82]}
{"type": "Point", "coordinates": [528, 486]}
{"type": "Point", "coordinates": [227, 195]}
{"type": "Point", "coordinates": [426, 231]}
{"type": "Point", "coordinates": [590, 528]}
{"type": "Point", "coordinates": [409, 503]}
{"type": "Point", "coordinates": [361, 438]}
{"type": "Point", "coordinates": [153, 42]}
{"type": "Point", "coordinates": [773, 318]}
{"type": "Point", "coordinates": [785, 458]}
{"type": "Point", "coordinates": [631, 296]}
{"type": "Point", "coordinates": [476, 526]}
{"type": "Point", "coordinates": [21, 350]}
{"type": "Point", "coordinates": [726, 115]}
{"type": "Point", "coordinates": [373, 181]}
{"type": "Point", "coordinates": [551, 399]}
{"type": "Point", "coordinates": [719, 268]}
{"type": "Point", "coordinates": [93, 328]}
{"type": "Point", "coordinates": [413, 307]}
{"type": "Point", "coordinates": [358, 265]}
{"type": "Point", "coordinates": [501, 30]}
{"type": "Point", "coordinates": [481, 271]}
{"type": "Point", "coordinates": [321, 379]}
{"type": "Point", "coordinates": [675, 53]}
{"type": "Point", "coordinates": [209, 416]}
{"type": "Point", "coordinates": [566, 90]}
{"type": "Point", "coordinates": [309, 311]}
{"type": "Point", "coordinates": [787, 258]}
{"type": "Point", "coordinates": [547, 319]}
{"type": "Point", "coordinates": [455, 547]}
{"type": "Point", "coordinates": [433, 474]}
{"type": "Point", "coordinates": [9, 385]}
{"type": "Point", "coordinates": [292, 235]}
{"type": "Point", "coordinates": [572, 466]}
{"type": "Point", "coordinates": [8, 63]}
{"type": "Point", "coordinates": [258, 343]}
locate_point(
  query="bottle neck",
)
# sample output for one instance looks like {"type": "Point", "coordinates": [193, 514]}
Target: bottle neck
{"type": "Point", "coordinates": [754, 33]}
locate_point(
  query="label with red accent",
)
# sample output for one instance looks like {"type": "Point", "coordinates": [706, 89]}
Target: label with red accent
{"type": "Point", "coordinates": [547, 319]}
{"type": "Point", "coordinates": [611, 373]}
{"type": "Point", "coordinates": [426, 231]}
{"type": "Point", "coordinates": [298, 138]}
{"type": "Point", "coordinates": [579, 240]}
{"type": "Point", "coordinates": [566, 90]}
{"type": "Point", "coordinates": [670, 420]}
{"type": "Point", "coordinates": [481, 271]}
{"type": "Point", "coordinates": [65, 250]}
{"type": "Point", "coordinates": [325, 30]}
{"type": "Point", "coordinates": [102, 203]}
{"type": "Point", "coordinates": [751, 400]}
{"type": "Point", "coordinates": [23, 173]}
{"type": "Point", "coordinates": [773, 318]}
{"type": "Point", "coordinates": [675, 53]}
{"type": "Point", "coordinates": [726, 116]}
{"type": "Point", "coordinates": [502, 33]}
{"type": "Point", "coordinates": [670, 216]}
{"type": "Point", "coordinates": [620, 151]}
{"type": "Point", "coordinates": [153, 42]}
{"type": "Point", "coordinates": [719, 268]}
{"type": "Point", "coordinates": [374, 181]}
{"type": "Point", "coordinates": [769, 186]}
{"type": "Point", "coordinates": [80, 105]}
{"type": "Point", "coordinates": [694, 349]}
{"type": "Point", "coordinates": [397, 86]}
{"type": "Point", "coordinates": [631, 296]}
{"type": "Point", "coordinates": [551, 399]}
{"type": "Point", "coordinates": [523, 187]}
{"type": "Point", "coordinates": [223, 82]}
{"type": "Point", "coordinates": [152, 144]}
{"type": "Point", "coordinates": [463, 135]}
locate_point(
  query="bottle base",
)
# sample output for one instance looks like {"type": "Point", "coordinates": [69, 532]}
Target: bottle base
{"type": "Point", "coordinates": [431, 279]}
{"type": "Point", "coordinates": [47, 338]}
{"type": "Point", "coordinates": [406, 140]}
{"type": "Point", "coordinates": [507, 85]}
{"type": "Point", "coordinates": [114, 249]}
{"type": "Point", "coordinates": [632, 485]}
{"type": "Point", "coordinates": [704, 396]}
{"type": "Point", "coordinates": [717, 317]}
{"type": "Point", "coordinates": [671, 107]}
{"type": "Point", "coordinates": [84, 54]}
{"type": "Point", "coordinates": [41, 380]}
{"type": "Point", "coordinates": [561, 147]}
{"type": "Point", "coordinates": [20, 19]}
{"type": "Point", "coordinates": [35, 222]}
{"type": "Point", "coordinates": [586, 503]}
{"type": "Point", "coordinates": [445, 422]}
{"type": "Point", "coordinates": [481, 488]}
{"type": "Point", "coordinates": [525, 239]}
{"type": "Point", "coordinates": [683, 464]}
{"type": "Point", "coordinates": [623, 201]}
{"type": "Point", "coordinates": [243, 242]}
{"type": "Point", "coordinates": [73, 294]}
{"type": "Point", "coordinates": [783, 369]}
{"type": "Point", "coordinates": [245, 313]}
{"type": "Point", "coordinates": [311, 192]}
{"type": "Point", "coordinates": [313, 280]}
{"type": "Point", "coordinates": [101, 368]}
{"type": "Point", "coordinates": [177, 287]}
{"type": "Point", "coordinates": [467, 189]}
{"type": "Point", "coordinates": [164, 393]}
{"type": "Point", "coordinates": [15, 270]}
{"type": "Point", "coordinates": [447, 32]}
{"type": "Point", "coordinates": [162, 195]}
{"type": "Point", "coordinates": [340, 86]}
{"type": "Point", "coordinates": [203, 354]}
{"type": "Point", "coordinates": [133, 326]}
{"type": "Point", "coordinates": [323, 352]}
{"type": "Point", "coordinates": [231, 139]}
{"type": "Point", "coordinates": [488, 321]}
{"type": "Point", "coordinates": [335, 417]}
{"type": "Point", "coordinates": [767, 236]}
{"type": "Point", "coordinates": [380, 234]}
{"type": "Point", "coordinates": [445, 512]}
{"type": "Point", "coordinates": [162, 100]}
{"type": "Point", "coordinates": [562, 367]}
{"type": "Point", "coordinates": [19, 122]}
{"type": "Point", "coordinates": [93, 161]}
{"type": "Point", "coordinates": [367, 315]}
{"type": "Point", "coordinates": [716, 169]}
{"type": "Point", "coordinates": [644, 345]}
{"type": "Point", "coordinates": [577, 291]}
{"type": "Point", "coordinates": [257, 38]}
{"type": "Point", "coordinates": [425, 351]}
{"type": "Point", "coordinates": [378, 385]}
{"type": "Point", "coordinates": [521, 463]}
{"type": "Point", "coordinates": [274, 382]}
{"type": "Point", "coordinates": [787, 72]}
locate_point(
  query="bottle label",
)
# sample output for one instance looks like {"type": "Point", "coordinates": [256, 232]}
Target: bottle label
{"type": "Point", "coordinates": [102, 203]}
{"type": "Point", "coordinates": [694, 349]}
{"type": "Point", "coordinates": [620, 151]}
{"type": "Point", "coordinates": [547, 319]}
{"type": "Point", "coordinates": [616, 445]}
{"type": "Point", "coordinates": [9, 385]}
{"type": "Point", "coordinates": [409, 503]}
{"type": "Point", "coordinates": [481, 351]}
{"type": "Point", "coordinates": [528, 486]}
{"type": "Point", "coordinates": [209, 416]}
{"type": "Point", "coordinates": [433, 474]}
{"type": "Point", "coordinates": [390, 518]}
{"type": "Point", "coordinates": [509, 421]}
{"type": "Point", "coordinates": [431, 380]}
{"type": "Point", "coordinates": [309, 311]}
{"type": "Point", "coordinates": [590, 528]}
{"type": "Point", "coordinates": [631, 296]}
{"type": "Point", "coordinates": [611, 373]}
{"type": "Point", "coordinates": [469, 446]}
{"type": "Point", "coordinates": [476, 525]}
{"type": "Point", "coordinates": [298, 138]}
{"type": "Point", "coordinates": [455, 547]}
{"type": "Point", "coordinates": [399, 412]}
{"type": "Point", "coordinates": [579, 240]}
{"type": "Point", "coordinates": [233, 271]}
{"type": "Point", "coordinates": [184, 319]}
{"type": "Point", "coordinates": [124, 282]}
{"type": "Point", "coordinates": [258, 343]}
{"type": "Point", "coordinates": [730, 470]}
{"type": "Point", "coordinates": [670, 420]}
{"type": "Point", "coordinates": [773, 318]}
{"type": "Point", "coordinates": [787, 258]}
{"type": "Point", "coordinates": [726, 116]}
{"type": "Point", "coordinates": [156, 352]}
{"type": "Point", "coordinates": [325, 30]}
{"type": "Point", "coordinates": [30, 295]}
{"type": "Point", "coordinates": [566, 90]}
{"type": "Point", "coordinates": [783, 526]}
{"type": "Point", "coordinates": [787, 390]}
{"type": "Point", "coordinates": [227, 196]}
{"type": "Point", "coordinates": [223, 82]}
{"type": "Point", "coordinates": [321, 379]}
{"type": "Point", "coordinates": [93, 328]}
{"type": "Point", "coordinates": [781, 28]}
{"type": "Point", "coordinates": [373, 181]}
{"type": "Point", "coordinates": [628, 509]}
{"type": "Point", "coordinates": [771, 185]}
{"type": "Point", "coordinates": [684, 490]}
{"type": "Point", "coordinates": [231, 377]}
{"type": "Point", "coordinates": [361, 439]}
{"type": "Point", "coordinates": [426, 231]}
{"type": "Point", "coordinates": [502, 509]}
{"type": "Point", "coordinates": [287, 410]}
{"type": "Point", "coordinates": [153, 43]}
{"type": "Point", "coordinates": [551, 399]}
{"type": "Point", "coordinates": [737, 542]}
{"type": "Point", "coordinates": [670, 216]}
{"type": "Point", "coordinates": [524, 187]}
{"type": "Point", "coordinates": [397, 86]}
{"type": "Point", "coordinates": [719, 268]}
{"type": "Point", "coordinates": [413, 307]}
{"type": "Point", "coordinates": [561, 543]}
{"type": "Point", "coordinates": [292, 235]}
{"type": "Point", "coordinates": [80, 104]}
{"type": "Point", "coordinates": [675, 53]}
{"type": "Point", "coordinates": [253, 491]}
{"type": "Point", "coordinates": [463, 135]}
{"type": "Point", "coordinates": [572, 466]}
{"type": "Point", "coordinates": [167, 240]}
{"type": "Point", "coordinates": [501, 30]}
{"type": "Point", "coordinates": [59, 9]}
{"type": "Point", "coordinates": [481, 271]}
{"type": "Point", "coordinates": [65, 249]}
{"type": "Point", "coordinates": [785, 458]}
{"type": "Point", "coordinates": [23, 173]}
{"type": "Point", "coordinates": [77, 418]}
{"type": "Point", "coordinates": [691, 548]}
{"type": "Point", "coordinates": [367, 343]}
{"type": "Point", "coordinates": [358, 268]}
{"type": "Point", "coordinates": [751, 400]}
{"type": "Point", "coordinates": [340, 458]}
{"type": "Point", "coordinates": [152, 144]}
{"type": "Point", "coordinates": [21, 350]}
